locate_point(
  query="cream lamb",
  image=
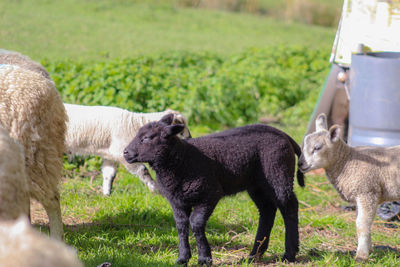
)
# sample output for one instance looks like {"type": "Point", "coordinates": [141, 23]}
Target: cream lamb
{"type": "Point", "coordinates": [366, 176]}
{"type": "Point", "coordinates": [14, 187]}
{"type": "Point", "coordinates": [105, 132]}
{"type": "Point", "coordinates": [21, 246]}
{"type": "Point", "coordinates": [32, 112]}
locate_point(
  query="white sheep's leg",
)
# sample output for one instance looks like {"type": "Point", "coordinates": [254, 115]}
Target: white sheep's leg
{"type": "Point", "coordinates": [141, 171]}
{"type": "Point", "coordinates": [70, 156]}
{"type": "Point", "coordinates": [366, 210]}
{"type": "Point", "coordinates": [108, 170]}
{"type": "Point", "coordinates": [53, 211]}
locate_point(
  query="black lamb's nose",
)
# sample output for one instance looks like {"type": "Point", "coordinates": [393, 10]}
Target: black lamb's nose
{"type": "Point", "coordinates": [126, 153]}
{"type": "Point", "coordinates": [300, 163]}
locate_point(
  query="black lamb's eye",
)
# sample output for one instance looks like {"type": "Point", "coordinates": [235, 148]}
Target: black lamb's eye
{"type": "Point", "coordinates": [145, 139]}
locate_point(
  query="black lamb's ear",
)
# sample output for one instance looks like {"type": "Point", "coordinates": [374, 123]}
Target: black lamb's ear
{"type": "Point", "coordinates": [172, 130]}
{"type": "Point", "coordinates": [167, 119]}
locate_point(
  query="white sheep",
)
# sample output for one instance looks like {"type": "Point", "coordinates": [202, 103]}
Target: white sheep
{"type": "Point", "coordinates": [14, 187]}
{"type": "Point", "coordinates": [105, 132]}
{"type": "Point", "coordinates": [366, 176]}
{"type": "Point", "coordinates": [31, 110]}
{"type": "Point", "coordinates": [21, 246]}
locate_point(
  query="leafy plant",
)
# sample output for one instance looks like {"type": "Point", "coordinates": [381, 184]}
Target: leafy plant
{"type": "Point", "coordinates": [209, 89]}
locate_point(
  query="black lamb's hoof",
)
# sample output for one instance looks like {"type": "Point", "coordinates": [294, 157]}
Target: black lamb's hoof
{"type": "Point", "coordinates": [389, 211]}
{"type": "Point", "coordinates": [348, 207]}
{"type": "Point", "coordinates": [205, 261]}
{"type": "Point", "coordinates": [105, 264]}
{"type": "Point", "coordinates": [183, 262]}
{"type": "Point", "coordinates": [289, 258]}
{"type": "Point", "coordinates": [251, 258]}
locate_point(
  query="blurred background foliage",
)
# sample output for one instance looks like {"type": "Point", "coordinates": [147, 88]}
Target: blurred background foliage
{"type": "Point", "coordinates": [210, 90]}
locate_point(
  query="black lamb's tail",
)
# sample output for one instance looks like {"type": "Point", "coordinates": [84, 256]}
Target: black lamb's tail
{"type": "Point", "coordinates": [297, 150]}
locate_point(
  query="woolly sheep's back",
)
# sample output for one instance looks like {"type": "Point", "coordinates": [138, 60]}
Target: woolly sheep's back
{"type": "Point", "coordinates": [14, 187]}
{"type": "Point", "coordinates": [32, 111]}
{"type": "Point", "coordinates": [86, 133]}
{"type": "Point", "coordinates": [17, 59]}
{"type": "Point", "coordinates": [101, 126]}
{"type": "Point", "coordinates": [21, 245]}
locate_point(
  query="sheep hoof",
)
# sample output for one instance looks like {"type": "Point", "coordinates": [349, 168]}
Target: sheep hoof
{"type": "Point", "coordinates": [182, 262]}
{"type": "Point", "coordinates": [253, 258]}
{"type": "Point", "coordinates": [205, 261]}
{"type": "Point", "coordinates": [362, 258]}
{"type": "Point", "coordinates": [289, 258]}
{"type": "Point", "coordinates": [105, 264]}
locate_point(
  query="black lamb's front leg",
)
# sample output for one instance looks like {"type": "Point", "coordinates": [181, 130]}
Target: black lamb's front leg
{"type": "Point", "coordinates": [181, 216]}
{"type": "Point", "coordinates": [198, 221]}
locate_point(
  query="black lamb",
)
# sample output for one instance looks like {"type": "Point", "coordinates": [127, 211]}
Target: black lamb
{"type": "Point", "coordinates": [195, 174]}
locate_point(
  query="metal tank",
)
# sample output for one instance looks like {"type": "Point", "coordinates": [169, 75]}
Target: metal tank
{"type": "Point", "coordinates": [375, 99]}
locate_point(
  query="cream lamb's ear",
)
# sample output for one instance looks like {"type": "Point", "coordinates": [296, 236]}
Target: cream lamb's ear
{"type": "Point", "coordinates": [334, 133]}
{"type": "Point", "coordinates": [321, 123]}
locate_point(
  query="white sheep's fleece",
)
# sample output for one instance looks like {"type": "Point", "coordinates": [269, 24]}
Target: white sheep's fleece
{"type": "Point", "coordinates": [14, 187]}
{"type": "Point", "coordinates": [104, 131]}
{"type": "Point", "coordinates": [22, 246]}
{"type": "Point", "coordinates": [31, 110]}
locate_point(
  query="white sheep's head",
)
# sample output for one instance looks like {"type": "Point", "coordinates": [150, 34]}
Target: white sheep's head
{"type": "Point", "coordinates": [153, 140]}
{"type": "Point", "coordinates": [180, 119]}
{"type": "Point", "coordinates": [319, 148]}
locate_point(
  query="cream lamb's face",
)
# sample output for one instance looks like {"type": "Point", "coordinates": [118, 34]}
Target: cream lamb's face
{"type": "Point", "coordinates": [319, 147]}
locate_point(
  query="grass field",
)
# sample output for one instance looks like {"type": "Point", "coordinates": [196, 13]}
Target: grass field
{"type": "Point", "coordinates": [91, 30]}
{"type": "Point", "coordinates": [133, 227]}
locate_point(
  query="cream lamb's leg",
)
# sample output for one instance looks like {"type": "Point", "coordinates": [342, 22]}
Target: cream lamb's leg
{"type": "Point", "coordinates": [108, 170]}
{"type": "Point", "coordinates": [52, 207]}
{"type": "Point", "coordinates": [366, 210]}
{"type": "Point", "coordinates": [141, 171]}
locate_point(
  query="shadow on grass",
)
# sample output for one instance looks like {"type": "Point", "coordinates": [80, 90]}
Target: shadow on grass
{"type": "Point", "coordinates": [316, 254]}
{"type": "Point", "coordinates": [103, 242]}
{"type": "Point", "coordinates": [153, 221]}
{"type": "Point", "coordinates": [121, 225]}
{"type": "Point", "coordinates": [121, 232]}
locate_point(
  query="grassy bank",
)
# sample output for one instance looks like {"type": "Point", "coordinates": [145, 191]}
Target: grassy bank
{"type": "Point", "coordinates": [93, 30]}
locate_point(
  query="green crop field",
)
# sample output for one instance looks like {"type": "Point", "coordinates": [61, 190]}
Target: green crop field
{"type": "Point", "coordinates": [222, 68]}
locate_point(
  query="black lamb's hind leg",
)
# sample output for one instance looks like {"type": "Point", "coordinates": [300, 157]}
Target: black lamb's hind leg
{"type": "Point", "coordinates": [198, 221]}
{"type": "Point", "coordinates": [267, 210]}
{"type": "Point", "coordinates": [290, 216]}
